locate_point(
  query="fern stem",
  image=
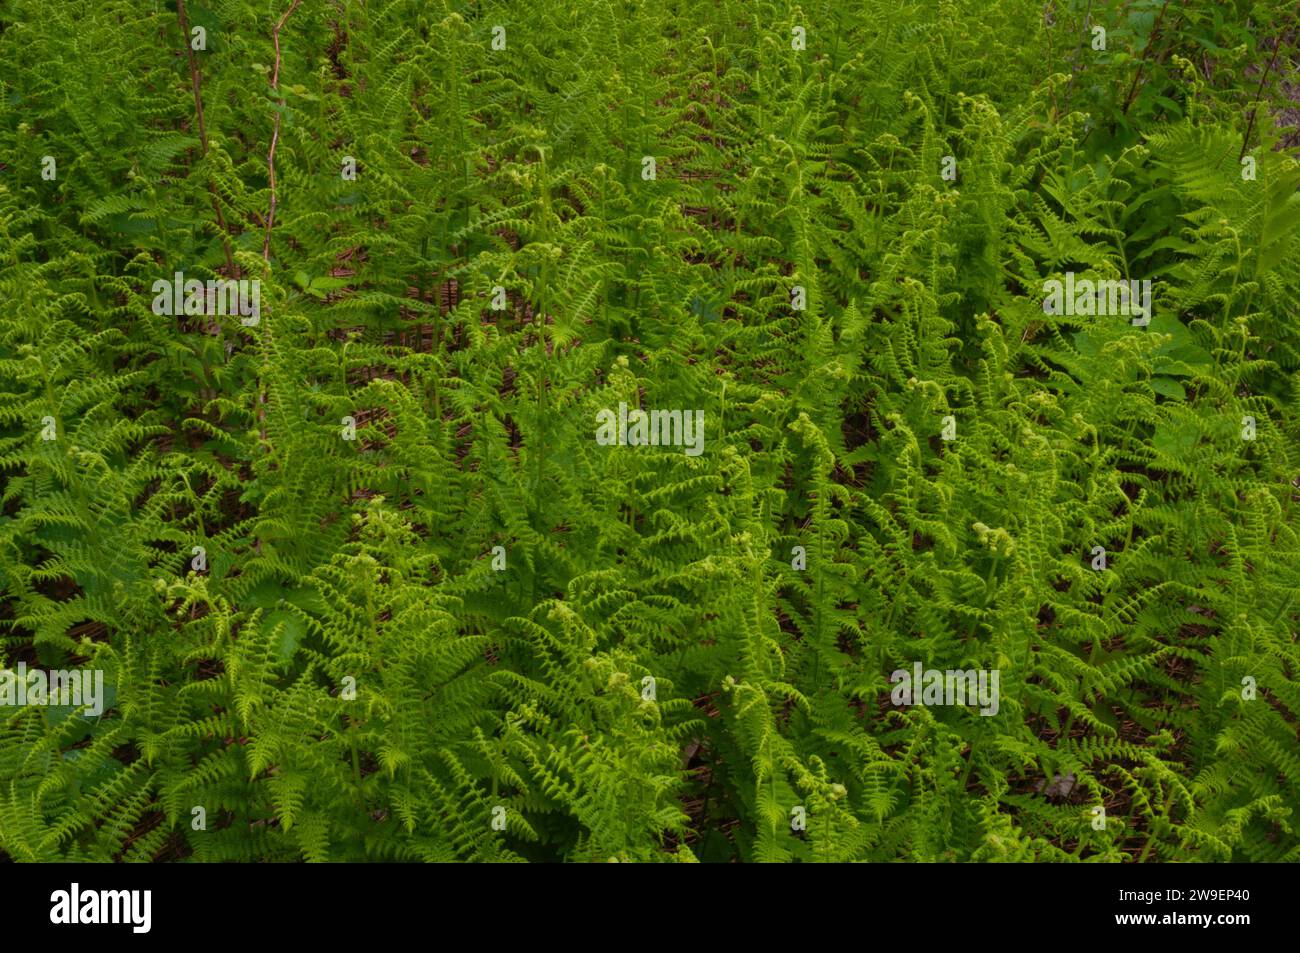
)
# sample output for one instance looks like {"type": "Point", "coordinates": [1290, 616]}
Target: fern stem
{"type": "Point", "coordinates": [1254, 108]}
{"type": "Point", "coordinates": [197, 86]}
{"type": "Point", "coordinates": [275, 135]}
{"type": "Point", "coordinates": [1146, 51]}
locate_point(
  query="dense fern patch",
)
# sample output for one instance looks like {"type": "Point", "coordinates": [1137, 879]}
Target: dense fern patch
{"type": "Point", "coordinates": [363, 583]}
